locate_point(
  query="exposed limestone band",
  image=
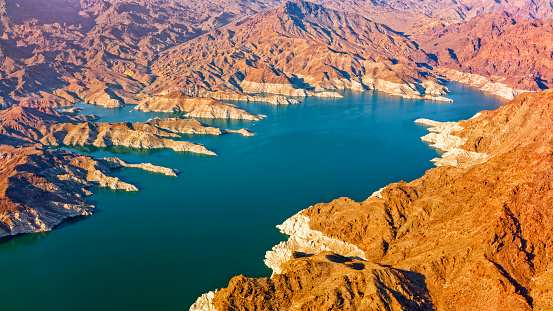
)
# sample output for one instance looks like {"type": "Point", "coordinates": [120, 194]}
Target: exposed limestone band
{"type": "Point", "coordinates": [204, 302]}
{"type": "Point", "coordinates": [485, 84]}
{"type": "Point", "coordinates": [441, 138]}
{"type": "Point", "coordinates": [304, 239]}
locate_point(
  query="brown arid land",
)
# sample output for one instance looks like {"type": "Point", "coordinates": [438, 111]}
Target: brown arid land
{"type": "Point", "coordinates": [496, 52]}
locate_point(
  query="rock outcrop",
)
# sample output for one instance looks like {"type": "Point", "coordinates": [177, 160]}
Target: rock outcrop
{"type": "Point", "coordinates": [236, 96]}
{"type": "Point", "coordinates": [192, 126]}
{"type": "Point", "coordinates": [441, 138]}
{"type": "Point", "coordinates": [51, 128]}
{"type": "Point", "coordinates": [117, 163]}
{"type": "Point", "coordinates": [475, 237]}
{"type": "Point", "coordinates": [304, 240]}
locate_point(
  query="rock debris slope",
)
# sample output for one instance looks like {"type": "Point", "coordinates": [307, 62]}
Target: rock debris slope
{"type": "Point", "coordinates": [476, 237]}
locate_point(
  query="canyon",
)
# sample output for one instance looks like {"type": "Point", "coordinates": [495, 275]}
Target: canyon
{"type": "Point", "coordinates": [461, 237]}
{"type": "Point", "coordinates": [472, 233]}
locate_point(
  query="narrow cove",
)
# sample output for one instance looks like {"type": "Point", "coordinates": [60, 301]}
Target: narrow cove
{"type": "Point", "coordinates": [160, 248]}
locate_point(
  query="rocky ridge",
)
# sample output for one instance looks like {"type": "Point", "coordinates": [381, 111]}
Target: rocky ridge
{"type": "Point", "coordinates": [458, 238]}
{"type": "Point", "coordinates": [51, 128]}
{"type": "Point", "coordinates": [192, 126]}
{"type": "Point", "coordinates": [195, 107]}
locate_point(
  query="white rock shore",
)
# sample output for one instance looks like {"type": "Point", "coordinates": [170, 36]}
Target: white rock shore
{"type": "Point", "coordinates": [302, 239]}
{"type": "Point", "coordinates": [485, 84]}
{"type": "Point", "coordinates": [441, 138]}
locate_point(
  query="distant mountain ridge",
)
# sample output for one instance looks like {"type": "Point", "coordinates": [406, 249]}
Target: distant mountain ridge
{"type": "Point", "coordinates": [58, 52]}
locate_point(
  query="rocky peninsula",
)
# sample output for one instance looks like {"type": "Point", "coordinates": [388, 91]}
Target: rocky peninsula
{"type": "Point", "coordinates": [40, 188]}
{"type": "Point", "coordinates": [192, 126]}
{"type": "Point", "coordinates": [195, 107]}
{"type": "Point", "coordinates": [465, 236]}
{"type": "Point", "coordinates": [51, 128]}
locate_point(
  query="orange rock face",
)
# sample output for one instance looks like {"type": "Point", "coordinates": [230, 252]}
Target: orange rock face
{"type": "Point", "coordinates": [478, 238]}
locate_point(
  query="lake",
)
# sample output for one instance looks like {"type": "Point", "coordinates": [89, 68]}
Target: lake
{"type": "Point", "coordinates": [179, 237]}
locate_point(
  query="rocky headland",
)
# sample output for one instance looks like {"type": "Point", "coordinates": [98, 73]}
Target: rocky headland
{"type": "Point", "coordinates": [40, 188]}
{"type": "Point", "coordinates": [192, 126]}
{"type": "Point", "coordinates": [462, 237]}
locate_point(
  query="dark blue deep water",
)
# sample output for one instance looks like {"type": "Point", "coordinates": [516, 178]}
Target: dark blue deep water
{"type": "Point", "coordinates": [162, 247]}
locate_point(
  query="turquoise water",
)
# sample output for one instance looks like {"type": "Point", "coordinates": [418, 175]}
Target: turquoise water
{"type": "Point", "coordinates": [162, 247]}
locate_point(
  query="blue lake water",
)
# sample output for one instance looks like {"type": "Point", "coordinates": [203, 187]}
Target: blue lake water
{"type": "Point", "coordinates": [162, 247]}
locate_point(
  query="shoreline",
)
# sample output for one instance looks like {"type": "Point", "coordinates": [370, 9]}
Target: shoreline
{"type": "Point", "coordinates": [303, 239]}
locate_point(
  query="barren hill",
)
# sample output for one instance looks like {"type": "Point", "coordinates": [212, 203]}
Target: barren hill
{"type": "Point", "coordinates": [296, 47]}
